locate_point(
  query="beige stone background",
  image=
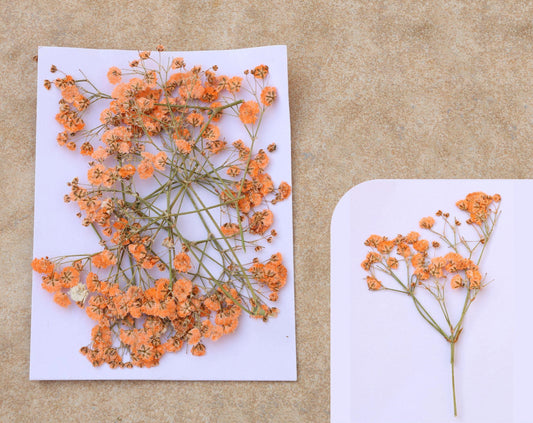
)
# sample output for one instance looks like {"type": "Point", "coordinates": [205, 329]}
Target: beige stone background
{"type": "Point", "coordinates": [378, 89]}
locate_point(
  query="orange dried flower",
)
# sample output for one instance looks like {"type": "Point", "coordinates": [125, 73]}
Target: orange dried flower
{"type": "Point", "coordinates": [127, 171]}
{"type": "Point", "coordinates": [42, 265]}
{"type": "Point", "coordinates": [198, 350]}
{"type": "Point", "coordinates": [284, 191]}
{"type": "Point", "coordinates": [100, 154]}
{"type": "Point", "coordinates": [195, 119]}
{"type": "Point", "coordinates": [216, 147]}
{"type": "Point", "coordinates": [234, 84]}
{"type": "Point", "coordinates": [427, 222]}
{"type": "Point", "coordinates": [86, 149]}
{"type": "Point", "coordinates": [95, 174]}
{"type": "Point", "coordinates": [404, 250]}
{"type": "Point", "coordinates": [145, 169]}
{"type": "Point", "coordinates": [114, 75]}
{"type": "Point", "coordinates": [268, 95]}
{"type": "Point", "coordinates": [474, 278]}
{"type": "Point", "coordinates": [248, 112]}
{"type": "Point", "coordinates": [160, 160]}
{"type": "Point", "coordinates": [373, 283]}
{"type": "Point", "coordinates": [69, 277]}
{"type": "Point", "coordinates": [229, 229]}
{"type": "Point", "coordinates": [211, 133]}
{"type": "Point", "coordinates": [104, 259]}
{"type": "Point", "coordinates": [412, 237]}
{"type": "Point", "coordinates": [233, 171]}
{"type": "Point", "coordinates": [370, 259]}
{"type": "Point", "coordinates": [385, 246]}
{"type": "Point", "coordinates": [214, 112]}
{"type": "Point", "coordinates": [51, 282]}
{"type": "Point", "coordinates": [392, 263]}
{"type": "Point", "coordinates": [70, 93]}
{"type": "Point", "coordinates": [194, 336]}
{"type": "Point", "coordinates": [178, 63]}
{"type": "Point", "coordinates": [61, 299]}
{"type": "Point", "coordinates": [261, 221]}
{"type": "Point", "coordinates": [182, 289]}
{"type": "Point", "coordinates": [421, 246]}
{"type": "Point", "coordinates": [260, 71]}
{"type": "Point", "coordinates": [183, 146]}
{"type": "Point", "coordinates": [457, 282]}
{"type": "Point", "coordinates": [182, 262]}
{"type": "Point", "coordinates": [373, 241]}
{"type": "Point", "coordinates": [212, 303]}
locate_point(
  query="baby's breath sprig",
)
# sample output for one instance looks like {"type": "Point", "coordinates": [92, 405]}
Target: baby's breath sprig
{"type": "Point", "coordinates": [175, 207]}
{"type": "Point", "coordinates": [429, 272]}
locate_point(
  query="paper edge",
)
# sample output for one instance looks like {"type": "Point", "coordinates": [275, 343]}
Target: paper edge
{"type": "Point", "coordinates": [277, 49]}
{"type": "Point", "coordinates": [340, 410]}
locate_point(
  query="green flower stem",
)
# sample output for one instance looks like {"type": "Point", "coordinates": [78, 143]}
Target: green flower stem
{"type": "Point", "coordinates": [396, 290]}
{"type": "Point", "coordinates": [220, 285]}
{"type": "Point", "coordinates": [235, 198]}
{"type": "Point", "coordinates": [246, 280]}
{"type": "Point", "coordinates": [253, 137]}
{"type": "Point", "coordinates": [452, 361]}
{"type": "Point", "coordinates": [123, 188]}
{"type": "Point", "coordinates": [170, 224]}
{"type": "Point", "coordinates": [192, 106]}
{"type": "Point", "coordinates": [212, 277]}
{"type": "Point", "coordinates": [98, 234]}
{"type": "Point", "coordinates": [420, 308]}
{"type": "Point", "coordinates": [446, 240]}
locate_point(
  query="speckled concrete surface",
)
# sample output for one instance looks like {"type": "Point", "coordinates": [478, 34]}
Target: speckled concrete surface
{"type": "Point", "coordinates": [380, 89]}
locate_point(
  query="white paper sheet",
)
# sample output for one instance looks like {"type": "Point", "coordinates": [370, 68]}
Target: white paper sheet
{"type": "Point", "coordinates": [388, 365]}
{"type": "Point", "coordinates": [256, 351]}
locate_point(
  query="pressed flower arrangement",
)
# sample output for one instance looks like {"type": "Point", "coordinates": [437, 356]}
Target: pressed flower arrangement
{"type": "Point", "coordinates": [159, 167]}
{"type": "Point", "coordinates": [419, 269]}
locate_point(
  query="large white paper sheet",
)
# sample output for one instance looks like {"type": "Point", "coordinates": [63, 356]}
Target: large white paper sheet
{"type": "Point", "coordinates": [387, 364]}
{"type": "Point", "coordinates": [256, 351]}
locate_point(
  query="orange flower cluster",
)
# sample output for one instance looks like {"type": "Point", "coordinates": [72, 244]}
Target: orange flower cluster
{"type": "Point", "coordinates": [71, 103]}
{"type": "Point", "coordinates": [151, 289]}
{"type": "Point", "coordinates": [57, 283]}
{"type": "Point", "coordinates": [416, 252]}
{"type": "Point", "coordinates": [273, 274]}
{"type": "Point", "coordinates": [461, 271]}
{"type": "Point", "coordinates": [171, 315]}
{"type": "Point", "coordinates": [434, 272]}
{"type": "Point", "coordinates": [478, 205]}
